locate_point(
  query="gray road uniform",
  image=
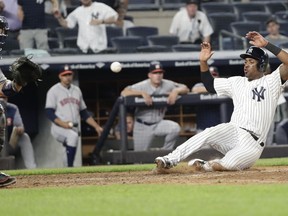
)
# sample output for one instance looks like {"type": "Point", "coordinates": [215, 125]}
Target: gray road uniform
{"type": "Point", "coordinates": [149, 121]}
{"type": "Point", "coordinates": [67, 103]}
{"type": "Point", "coordinates": [13, 119]}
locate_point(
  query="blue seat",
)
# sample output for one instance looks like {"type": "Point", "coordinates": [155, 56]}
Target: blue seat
{"type": "Point", "coordinates": [113, 31]}
{"type": "Point", "coordinates": [163, 40]}
{"type": "Point", "coordinates": [240, 28]}
{"type": "Point", "coordinates": [142, 5]}
{"type": "Point", "coordinates": [70, 42]}
{"type": "Point", "coordinates": [284, 27]}
{"type": "Point", "coordinates": [142, 31]}
{"type": "Point", "coordinates": [127, 44]}
{"type": "Point", "coordinates": [240, 8]}
{"type": "Point", "coordinates": [217, 7]}
{"type": "Point", "coordinates": [172, 4]}
{"type": "Point", "coordinates": [281, 133]}
{"type": "Point", "coordinates": [220, 21]}
{"type": "Point", "coordinates": [273, 7]}
{"type": "Point", "coordinates": [258, 17]}
{"type": "Point", "coordinates": [281, 16]}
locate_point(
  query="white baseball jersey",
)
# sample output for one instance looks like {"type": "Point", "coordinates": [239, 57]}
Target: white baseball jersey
{"type": "Point", "coordinates": [91, 36]}
{"type": "Point", "coordinates": [254, 101]}
{"type": "Point", "coordinates": [254, 107]}
{"type": "Point", "coordinates": [189, 30]}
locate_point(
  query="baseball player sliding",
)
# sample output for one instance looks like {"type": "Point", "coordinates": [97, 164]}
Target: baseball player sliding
{"type": "Point", "coordinates": [255, 98]}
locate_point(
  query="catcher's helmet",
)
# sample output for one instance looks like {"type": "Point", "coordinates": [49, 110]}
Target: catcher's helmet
{"type": "Point", "coordinates": [258, 54]}
{"type": "Point", "coordinates": [3, 29]}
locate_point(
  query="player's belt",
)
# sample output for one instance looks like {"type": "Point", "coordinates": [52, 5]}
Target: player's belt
{"type": "Point", "coordinates": [251, 133]}
{"type": "Point", "coordinates": [145, 123]}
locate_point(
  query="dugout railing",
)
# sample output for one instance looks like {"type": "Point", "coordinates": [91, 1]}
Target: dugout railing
{"type": "Point", "coordinates": [124, 155]}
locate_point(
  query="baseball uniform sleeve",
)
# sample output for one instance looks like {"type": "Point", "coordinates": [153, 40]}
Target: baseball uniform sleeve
{"type": "Point", "coordinates": [50, 99]}
{"type": "Point", "coordinates": [72, 19]}
{"type": "Point", "coordinates": [17, 118]}
{"type": "Point", "coordinates": [274, 79]}
{"type": "Point", "coordinates": [108, 12]}
{"type": "Point", "coordinates": [223, 86]}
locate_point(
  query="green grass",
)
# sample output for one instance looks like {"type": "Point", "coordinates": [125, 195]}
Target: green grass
{"type": "Point", "coordinates": [142, 200]}
{"type": "Point", "coordinates": [149, 200]}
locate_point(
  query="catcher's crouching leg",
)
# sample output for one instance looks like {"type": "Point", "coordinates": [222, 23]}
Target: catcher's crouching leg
{"type": "Point", "coordinates": [2, 127]}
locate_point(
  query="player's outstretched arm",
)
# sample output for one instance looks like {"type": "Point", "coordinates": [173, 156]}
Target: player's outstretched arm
{"type": "Point", "coordinates": [206, 77]}
{"type": "Point", "coordinates": [205, 55]}
{"type": "Point", "coordinates": [258, 40]}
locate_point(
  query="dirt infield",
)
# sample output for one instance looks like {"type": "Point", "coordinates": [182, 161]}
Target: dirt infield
{"type": "Point", "coordinates": [178, 175]}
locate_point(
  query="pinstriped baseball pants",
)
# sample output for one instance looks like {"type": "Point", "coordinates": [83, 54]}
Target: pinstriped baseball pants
{"type": "Point", "coordinates": [240, 149]}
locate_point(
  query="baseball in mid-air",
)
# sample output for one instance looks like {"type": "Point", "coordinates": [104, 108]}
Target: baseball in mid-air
{"type": "Point", "coordinates": [116, 67]}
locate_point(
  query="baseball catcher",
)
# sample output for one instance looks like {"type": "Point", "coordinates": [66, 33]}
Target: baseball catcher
{"type": "Point", "coordinates": [23, 71]}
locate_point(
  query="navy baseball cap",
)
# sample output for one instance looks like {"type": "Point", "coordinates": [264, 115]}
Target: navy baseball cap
{"type": "Point", "coordinates": [65, 71]}
{"type": "Point", "coordinates": [192, 2]}
{"type": "Point", "coordinates": [156, 67]}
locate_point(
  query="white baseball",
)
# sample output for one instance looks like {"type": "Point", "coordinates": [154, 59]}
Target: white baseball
{"type": "Point", "coordinates": [116, 67]}
{"type": "Point", "coordinates": [70, 124]}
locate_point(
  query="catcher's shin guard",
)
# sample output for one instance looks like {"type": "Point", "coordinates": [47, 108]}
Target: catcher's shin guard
{"type": "Point", "coordinates": [2, 127]}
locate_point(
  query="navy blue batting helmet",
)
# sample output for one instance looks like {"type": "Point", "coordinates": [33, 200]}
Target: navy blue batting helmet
{"type": "Point", "coordinates": [258, 54]}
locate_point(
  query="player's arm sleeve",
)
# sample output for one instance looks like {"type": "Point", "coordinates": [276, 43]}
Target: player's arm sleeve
{"type": "Point", "coordinates": [84, 114]}
{"type": "Point", "coordinates": [50, 112]}
{"type": "Point", "coordinates": [17, 118]}
{"type": "Point", "coordinates": [208, 81]}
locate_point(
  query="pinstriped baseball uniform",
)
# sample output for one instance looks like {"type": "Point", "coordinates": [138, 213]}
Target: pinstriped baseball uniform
{"type": "Point", "coordinates": [152, 118]}
{"type": "Point", "coordinates": [254, 107]}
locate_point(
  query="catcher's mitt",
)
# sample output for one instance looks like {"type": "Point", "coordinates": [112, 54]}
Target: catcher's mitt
{"type": "Point", "coordinates": [25, 71]}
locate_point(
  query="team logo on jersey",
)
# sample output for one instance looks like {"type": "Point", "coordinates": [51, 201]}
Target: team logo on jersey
{"type": "Point", "coordinates": [258, 94]}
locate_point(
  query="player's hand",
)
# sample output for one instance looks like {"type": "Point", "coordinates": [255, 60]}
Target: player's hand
{"type": "Point", "coordinates": [147, 98]}
{"type": "Point", "coordinates": [20, 130]}
{"type": "Point", "coordinates": [96, 22]}
{"type": "Point", "coordinates": [206, 52]}
{"type": "Point", "coordinates": [256, 39]}
{"type": "Point", "coordinates": [99, 130]}
{"type": "Point", "coordinates": [172, 97]}
{"type": "Point", "coordinates": [57, 14]}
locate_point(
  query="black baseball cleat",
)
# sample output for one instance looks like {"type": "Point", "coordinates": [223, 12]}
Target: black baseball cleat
{"type": "Point", "coordinates": [6, 180]}
{"type": "Point", "coordinates": [162, 163]}
{"type": "Point", "coordinates": [95, 159]}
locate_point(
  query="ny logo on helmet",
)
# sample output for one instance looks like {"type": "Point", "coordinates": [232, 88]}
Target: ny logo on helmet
{"type": "Point", "coordinates": [250, 50]}
{"type": "Point", "coordinates": [259, 94]}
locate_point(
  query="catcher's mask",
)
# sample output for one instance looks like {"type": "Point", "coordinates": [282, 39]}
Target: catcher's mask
{"type": "Point", "coordinates": [258, 54]}
{"type": "Point", "coordinates": [3, 29]}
